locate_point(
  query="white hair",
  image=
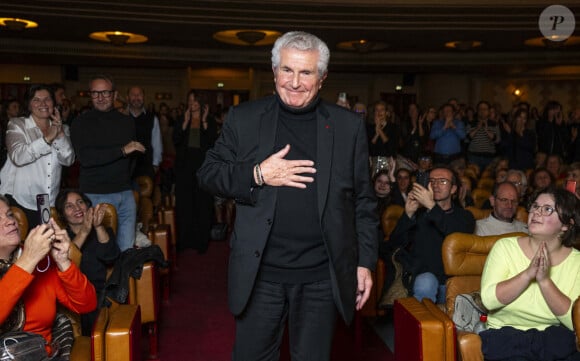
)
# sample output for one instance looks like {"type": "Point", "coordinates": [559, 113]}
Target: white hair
{"type": "Point", "coordinates": [303, 41]}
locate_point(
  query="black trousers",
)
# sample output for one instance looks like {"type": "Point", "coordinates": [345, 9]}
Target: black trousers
{"type": "Point", "coordinates": [193, 205]}
{"type": "Point", "coordinates": [311, 314]}
{"type": "Point", "coordinates": [510, 344]}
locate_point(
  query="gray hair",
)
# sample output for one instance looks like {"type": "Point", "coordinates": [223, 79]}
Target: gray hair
{"type": "Point", "coordinates": [522, 176]}
{"type": "Point", "coordinates": [303, 41]}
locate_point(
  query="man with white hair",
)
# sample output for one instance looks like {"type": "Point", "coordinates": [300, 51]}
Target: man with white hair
{"type": "Point", "coordinates": [305, 238]}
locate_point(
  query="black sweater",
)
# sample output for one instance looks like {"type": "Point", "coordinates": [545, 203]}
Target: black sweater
{"type": "Point", "coordinates": [97, 138]}
{"type": "Point", "coordinates": [295, 251]}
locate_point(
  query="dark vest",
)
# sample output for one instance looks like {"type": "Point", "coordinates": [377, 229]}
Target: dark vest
{"type": "Point", "coordinates": [143, 129]}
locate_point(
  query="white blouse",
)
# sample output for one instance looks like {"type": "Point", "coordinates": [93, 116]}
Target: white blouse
{"type": "Point", "coordinates": [33, 166]}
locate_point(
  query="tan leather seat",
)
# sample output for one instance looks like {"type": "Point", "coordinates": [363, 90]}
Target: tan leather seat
{"type": "Point", "coordinates": [479, 196]}
{"type": "Point", "coordinates": [486, 183]}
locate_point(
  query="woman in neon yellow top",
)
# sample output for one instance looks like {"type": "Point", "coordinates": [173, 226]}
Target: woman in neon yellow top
{"type": "Point", "coordinates": [529, 284]}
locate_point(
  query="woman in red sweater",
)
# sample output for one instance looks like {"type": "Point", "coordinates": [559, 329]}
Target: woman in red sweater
{"type": "Point", "coordinates": [42, 276]}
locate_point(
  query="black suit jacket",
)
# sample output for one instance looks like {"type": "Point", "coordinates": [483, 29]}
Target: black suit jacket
{"type": "Point", "coordinates": [346, 200]}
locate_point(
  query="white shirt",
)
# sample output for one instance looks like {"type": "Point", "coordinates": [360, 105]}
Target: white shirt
{"type": "Point", "coordinates": [33, 167]}
{"type": "Point", "coordinates": [492, 226]}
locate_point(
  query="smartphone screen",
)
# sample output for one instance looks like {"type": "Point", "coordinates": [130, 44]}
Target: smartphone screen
{"type": "Point", "coordinates": [43, 206]}
{"type": "Point", "coordinates": [571, 186]}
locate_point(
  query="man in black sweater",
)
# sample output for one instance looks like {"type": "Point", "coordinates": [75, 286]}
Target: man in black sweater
{"type": "Point", "coordinates": [104, 142]}
{"type": "Point", "coordinates": [430, 215]}
{"type": "Point", "coordinates": [305, 237]}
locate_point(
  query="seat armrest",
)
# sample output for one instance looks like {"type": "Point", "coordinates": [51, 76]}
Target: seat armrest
{"type": "Point", "coordinates": [469, 345]}
{"type": "Point", "coordinates": [449, 341]}
{"type": "Point", "coordinates": [123, 336]}
{"type": "Point", "coordinates": [419, 334]}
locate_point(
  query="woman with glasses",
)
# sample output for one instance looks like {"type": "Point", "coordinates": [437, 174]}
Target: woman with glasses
{"type": "Point", "coordinates": [530, 283]}
{"type": "Point", "coordinates": [38, 145]}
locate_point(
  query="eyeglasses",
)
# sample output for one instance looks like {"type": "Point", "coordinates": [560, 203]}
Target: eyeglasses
{"type": "Point", "coordinates": [517, 184]}
{"type": "Point", "coordinates": [104, 93]}
{"type": "Point", "coordinates": [440, 181]}
{"type": "Point", "coordinates": [545, 210]}
{"type": "Point", "coordinates": [505, 201]}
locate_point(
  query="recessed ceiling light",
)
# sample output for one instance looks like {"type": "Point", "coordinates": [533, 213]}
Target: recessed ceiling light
{"type": "Point", "coordinates": [552, 43]}
{"type": "Point", "coordinates": [362, 45]}
{"type": "Point", "coordinates": [118, 37]}
{"type": "Point", "coordinates": [463, 44]}
{"type": "Point", "coordinates": [247, 37]}
{"type": "Point", "coordinates": [17, 24]}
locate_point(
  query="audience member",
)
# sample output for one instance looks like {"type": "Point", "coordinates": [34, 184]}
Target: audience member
{"type": "Point", "coordinates": [541, 178]}
{"type": "Point", "coordinates": [413, 136]}
{"type": "Point", "coordinates": [501, 175]}
{"type": "Point", "coordinates": [166, 171]}
{"type": "Point", "coordinates": [148, 134]}
{"type": "Point", "coordinates": [430, 215]}
{"type": "Point", "coordinates": [448, 134]}
{"type": "Point", "coordinates": [84, 226]}
{"type": "Point", "coordinates": [574, 176]}
{"type": "Point", "coordinates": [520, 142]}
{"type": "Point", "coordinates": [38, 145]}
{"type": "Point", "coordinates": [384, 137]}
{"type": "Point", "coordinates": [519, 179]}
{"type": "Point", "coordinates": [104, 141]}
{"type": "Point", "coordinates": [554, 136]}
{"type": "Point", "coordinates": [464, 197]}
{"type": "Point", "coordinates": [555, 165]}
{"type": "Point", "coordinates": [504, 202]}
{"type": "Point", "coordinates": [193, 135]}
{"type": "Point", "coordinates": [402, 188]}
{"type": "Point", "coordinates": [482, 137]}
{"type": "Point", "coordinates": [42, 276]}
{"type": "Point", "coordinates": [529, 284]}
{"type": "Point", "coordinates": [382, 182]}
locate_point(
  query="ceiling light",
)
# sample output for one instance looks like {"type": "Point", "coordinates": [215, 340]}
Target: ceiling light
{"type": "Point", "coordinates": [463, 44]}
{"type": "Point", "coordinates": [362, 45]}
{"type": "Point", "coordinates": [16, 24]}
{"type": "Point", "coordinates": [553, 43]}
{"type": "Point", "coordinates": [247, 37]}
{"type": "Point", "coordinates": [118, 37]}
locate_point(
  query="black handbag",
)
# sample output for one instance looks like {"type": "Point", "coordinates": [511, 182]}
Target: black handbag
{"type": "Point", "coordinates": [22, 346]}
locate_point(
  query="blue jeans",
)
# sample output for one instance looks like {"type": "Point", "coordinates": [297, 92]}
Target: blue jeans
{"type": "Point", "coordinates": [124, 203]}
{"type": "Point", "coordinates": [427, 286]}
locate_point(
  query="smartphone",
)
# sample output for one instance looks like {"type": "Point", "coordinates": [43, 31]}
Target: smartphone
{"type": "Point", "coordinates": [43, 206]}
{"type": "Point", "coordinates": [342, 96]}
{"type": "Point", "coordinates": [422, 178]}
{"type": "Point", "coordinates": [571, 186]}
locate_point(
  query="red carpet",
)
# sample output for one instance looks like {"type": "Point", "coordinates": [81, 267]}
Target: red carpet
{"type": "Point", "coordinates": [196, 325]}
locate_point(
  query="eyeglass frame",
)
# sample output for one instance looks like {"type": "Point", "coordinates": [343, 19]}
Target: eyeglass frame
{"type": "Point", "coordinates": [534, 207]}
{"type": "Point", "coordinates": [439, 181]}
{"type": "Point", "coordinates": [95, 93]}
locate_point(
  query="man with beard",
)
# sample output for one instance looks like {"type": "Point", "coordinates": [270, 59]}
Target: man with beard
{"type": "Point", "coordinates": [148, 134]}
{"type": "Point", "coordinates": [504, 202]}
{"type": "Point", "coordinates": [430, 215]}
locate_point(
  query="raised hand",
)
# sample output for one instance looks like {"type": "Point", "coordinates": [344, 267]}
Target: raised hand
{"type": "Point", "coordinates": [60, 247]}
